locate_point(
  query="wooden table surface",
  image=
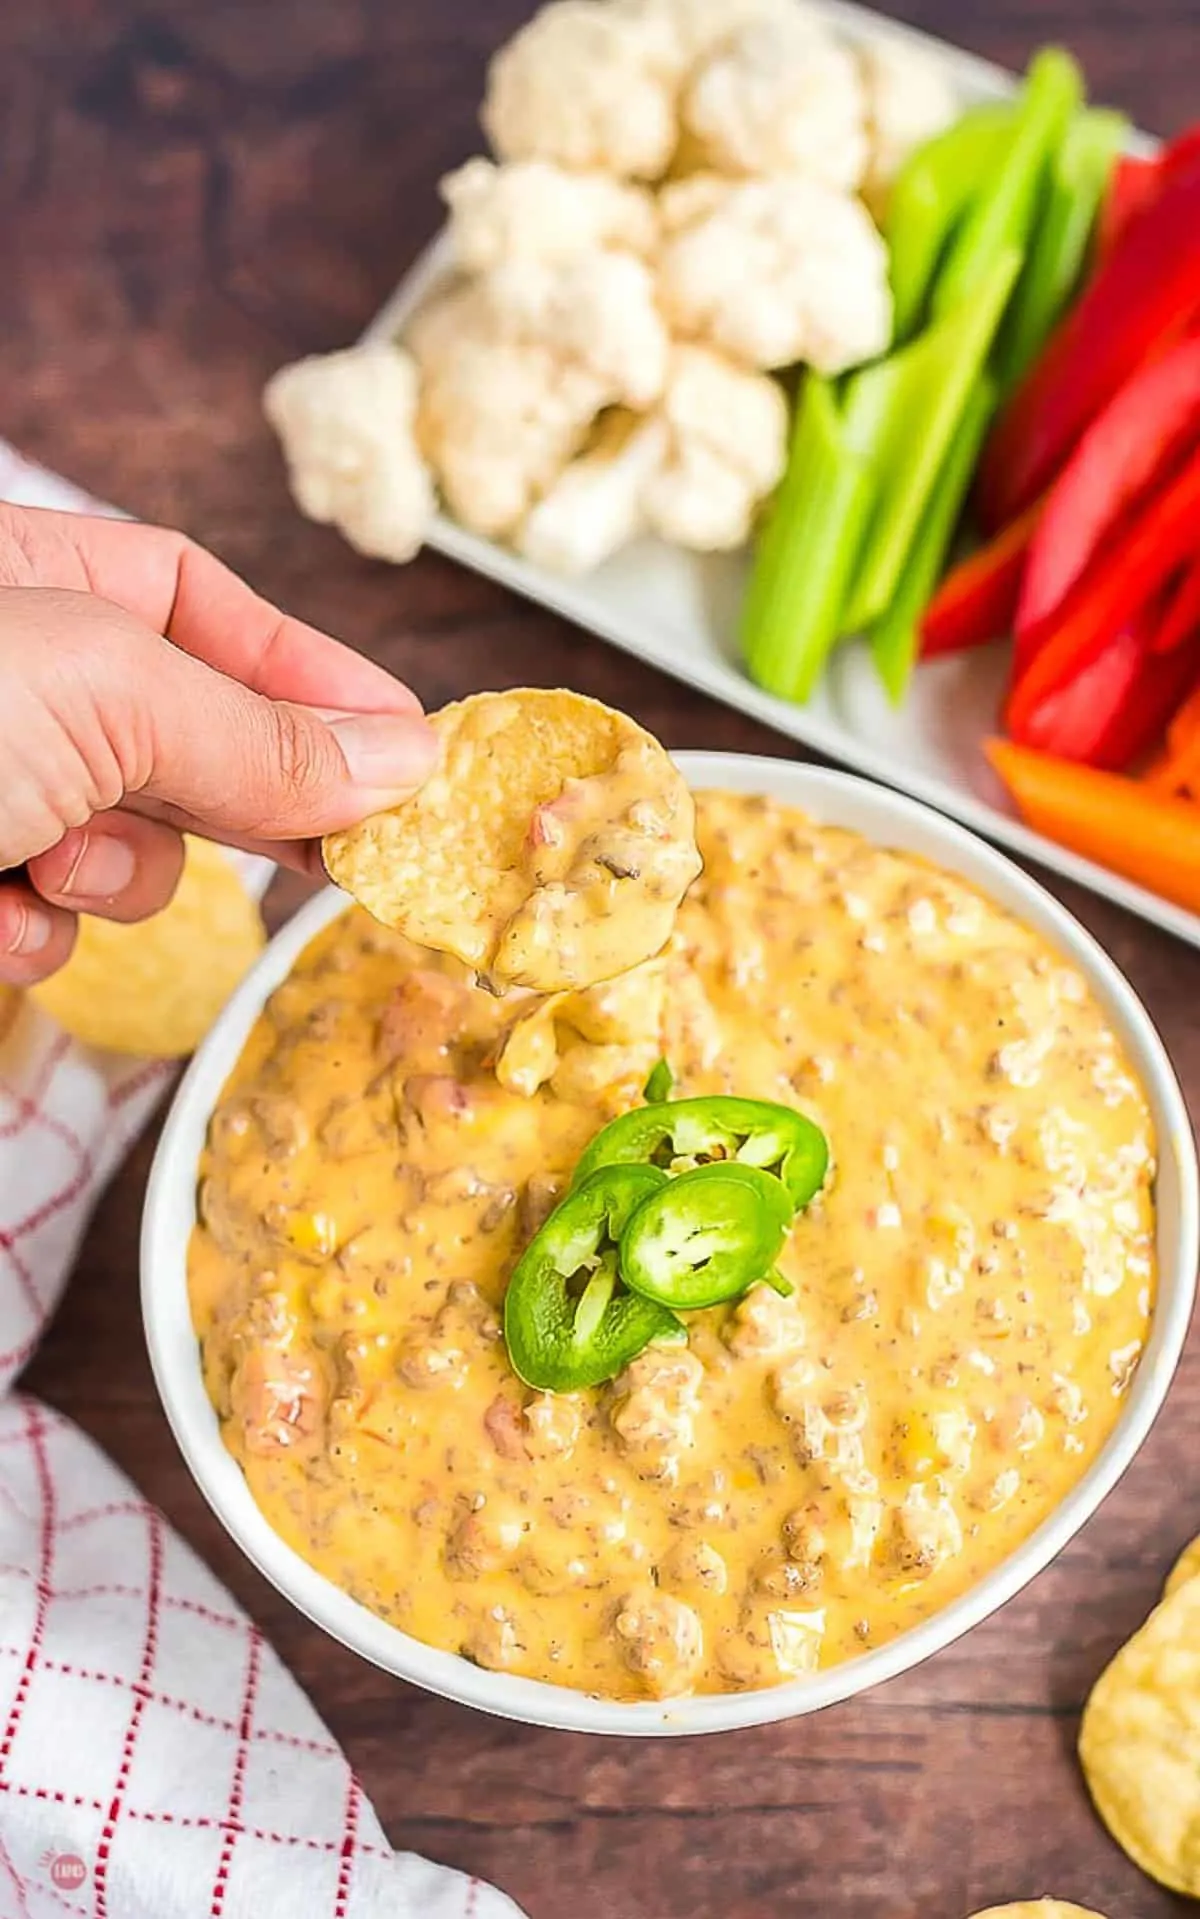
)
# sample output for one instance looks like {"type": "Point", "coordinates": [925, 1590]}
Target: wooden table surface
{"type": "Point", "coordinates": [192, 191]}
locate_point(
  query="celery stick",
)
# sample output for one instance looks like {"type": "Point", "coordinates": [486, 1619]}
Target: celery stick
{"type": "Point", "coordinates": [947, 361]}
{"type": "Point", "coordinates": [877, 406]}
{"type": "Point", "coordinates": [797, 592]}
{"type": "Point", "coordinates": [1003, 213]}
{"type": "Point", "coordinates": [895, 637]}
{"type": "Point", "coordinates": [930, 195]}
{"type": "Point", "coordinates": [1079, 176]}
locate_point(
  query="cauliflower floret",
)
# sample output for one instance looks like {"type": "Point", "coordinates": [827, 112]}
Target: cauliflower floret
{"type": "Point", "coordinates": [697, 26]}
{"type": "Point", "coordinates": [598, 311]}
{"type": "Point", "coordinates": [499, 416]}
{"type": "Point", "coordinates": [909, 98]}
{"type": "Point", "coordinates": [693, 471]}
{"type": "Point", "coordinates": [518, 364]}
{"type": "Point", "coordinates": [594, 508]}
{"type": "Point", "coordinates": [347, 425]}
{"type": "Point", "coordinates": [780, 96]}
{"type": "Point", "coordinates": [727, 448]}
{"type": "Point", "coordinates": [775, 271]}
{"type": "Point", "coordinates": [455, 318]}
{"type": "Point", "coordinates": [535, 211]}
{"type": "Point", "coordinates": [498, 423]}
{"type": "Point", "coordinates": [588, 85]}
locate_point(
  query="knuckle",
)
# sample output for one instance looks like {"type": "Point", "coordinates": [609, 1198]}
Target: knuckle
{"type": "Point", "coordinates": [82, 774]}
{"type": "Point", "coordinates": [34, 551]}
{"type": "Point", "coordinates": [89, 696]}
{"type": "Point", "coordinates": [304, 752]}
{"type": "Point", "coordinates": [116, 665]}
{"type": "Point", "coordinates": [29, 824]}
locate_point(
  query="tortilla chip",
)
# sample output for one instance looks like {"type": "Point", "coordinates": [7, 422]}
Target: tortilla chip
{"type": "Point", "coordinates": [1139, 1743]}
{"type": "Point", "coordinates": [155, 988]}
{"type": "Point", "coordinates": [1039, 1909]}
{"type": "Point", "coordinates": [549, 850]}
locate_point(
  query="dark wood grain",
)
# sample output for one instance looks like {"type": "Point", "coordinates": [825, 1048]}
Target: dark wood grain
{"type": "Point", "coordinates": [192, 191]}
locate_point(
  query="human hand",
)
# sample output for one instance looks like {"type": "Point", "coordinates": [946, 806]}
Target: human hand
{"type": "Point", "coordinates": [146, 691]}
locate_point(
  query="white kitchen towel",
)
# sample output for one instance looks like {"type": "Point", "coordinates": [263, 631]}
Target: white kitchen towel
{"type": "Point", "coordinates": [156, 1759]}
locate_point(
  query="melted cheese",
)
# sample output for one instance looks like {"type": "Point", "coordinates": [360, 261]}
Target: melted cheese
{"type": "Point", "coordinates": [809, 1476]}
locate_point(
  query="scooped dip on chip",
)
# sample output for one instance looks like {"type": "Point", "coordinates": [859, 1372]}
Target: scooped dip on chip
{"type": "Point", "coordinates": [550, 848]}
{"type": "Point", "coordinates": [910, 1366]}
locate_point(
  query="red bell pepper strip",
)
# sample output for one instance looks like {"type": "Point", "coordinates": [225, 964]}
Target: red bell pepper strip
{"type": "Point", "coordinates": [1073, 720]}
{"type": "Point", "coordinates": [1120, 823]}
{"type": "Point", "coordinates": [1134, 567]}
{"type": "Point", "coordinates": [1061, 244]}
{"type": "Point", "coordinates": [977, 599]}
{"type": "Point", "coordinates": [1179, 153]}
{"type": "Point", "coordinates": [1150, 282]}
{"type": "Point", "coordinates": [1133, 185]}
{"type": "Point", "coordinates": [1117, 706]}
{"type": "Point", "coordinates": [1166, 681]}
{"type": "Point", "coordinates": [1135, 182]}
{"type": "Point", "coordinates": [1153, 416]}
{"type": "Point", "coordinates": [1182, 616]}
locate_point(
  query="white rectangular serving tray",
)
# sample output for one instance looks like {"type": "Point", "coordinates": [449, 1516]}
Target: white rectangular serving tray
{"type": "Point", "coordinates": [679, 611]}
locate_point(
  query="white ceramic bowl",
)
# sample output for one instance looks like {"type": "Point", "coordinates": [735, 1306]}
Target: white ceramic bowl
{"type": "Point", "coordinates": [840, 800]}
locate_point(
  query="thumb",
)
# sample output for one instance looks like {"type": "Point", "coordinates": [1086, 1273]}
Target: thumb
{"type": "Point", "coordinates": [178, 732]}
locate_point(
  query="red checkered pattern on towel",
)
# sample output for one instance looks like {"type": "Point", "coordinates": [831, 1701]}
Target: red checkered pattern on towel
{"type": "Point", "coordinates": [156, 1759]}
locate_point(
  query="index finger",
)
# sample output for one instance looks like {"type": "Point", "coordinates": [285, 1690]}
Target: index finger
{"type": "Point", "coordinates": [302, 856]}
{"type": "Point", "coordinates": [184, 592]}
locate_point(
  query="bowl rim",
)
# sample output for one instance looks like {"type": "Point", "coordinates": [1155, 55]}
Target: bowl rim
{"type": "Point", "coordinates": [892, 819]}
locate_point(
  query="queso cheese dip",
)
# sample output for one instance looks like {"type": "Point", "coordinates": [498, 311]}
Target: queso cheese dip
{"type": "Point", "coordinates": [807, 1476]}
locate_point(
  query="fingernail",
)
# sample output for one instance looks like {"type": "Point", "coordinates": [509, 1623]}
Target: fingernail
{"type": "Point", "coordinates": [387, 754]}
{"type": "Point", "coordinates": [31, 930]}
{"type": "Point", "coordinates": [104, 867]}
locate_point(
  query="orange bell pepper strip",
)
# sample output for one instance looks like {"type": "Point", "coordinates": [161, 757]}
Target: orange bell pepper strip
{"type": "Point", "coordinates": [977, 599]}
{"type": "Point", "coordinates": [1120, 823]}
{"type": "Point", "coordinates": [1134, 567]}
{"type": "Point", "coordinates": [1185, 727]}
{"type": "Point", "coordinates": [1178, 770]}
